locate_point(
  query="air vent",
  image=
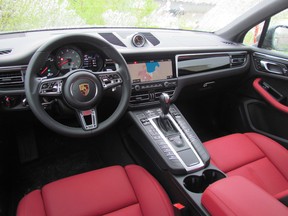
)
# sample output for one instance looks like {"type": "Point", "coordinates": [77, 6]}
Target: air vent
{"type": "Point", "coordinates": [146, 97]}
{"type": "Point", "coordinates": [5, 51]}
{"type": "Point", "coordinates": [111, 38]}
{"type": "Point", "coordinates": [229, 43]}
{"type": "Point", "coordinates": [238, 60]}
{"type": "Point", "coordinates": [11, 79]}
{"type": "Point", "coordinates": [150, 37]}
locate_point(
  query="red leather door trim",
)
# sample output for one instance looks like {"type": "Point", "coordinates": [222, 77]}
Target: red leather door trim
{"type": "Point", "coordinates": [269, 98]}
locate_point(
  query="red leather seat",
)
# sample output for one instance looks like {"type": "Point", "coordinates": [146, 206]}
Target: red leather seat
{"type": "Point", "coordinates": [255, 157]}
{"type": "Point", "coordinates": [112, 191]}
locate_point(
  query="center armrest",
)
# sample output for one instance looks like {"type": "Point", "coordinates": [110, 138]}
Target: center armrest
{"type": "Point", "coordinates": [236, 195]}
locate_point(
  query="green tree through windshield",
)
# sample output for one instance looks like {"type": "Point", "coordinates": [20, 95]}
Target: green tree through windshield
{"type": "Point", "coordinates": [34, 14]}
{"type": "Point", "coordinates": [203, 15]}
{"type": "Point", "coordinates": [114, 12]}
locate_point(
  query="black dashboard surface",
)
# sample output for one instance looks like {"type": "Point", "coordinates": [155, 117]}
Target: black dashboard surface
{"type": "Point", "coordinates": [23, 45]}
{"type": "Point", "coordinates": [16, 50]}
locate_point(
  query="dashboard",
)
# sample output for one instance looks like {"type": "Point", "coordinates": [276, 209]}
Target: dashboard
{"type": "Point", "coordinates": [165, 61]}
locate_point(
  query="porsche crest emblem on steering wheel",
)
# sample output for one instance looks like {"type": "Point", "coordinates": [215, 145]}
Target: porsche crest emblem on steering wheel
{"type": "Point", "coordinates": [84, 89]}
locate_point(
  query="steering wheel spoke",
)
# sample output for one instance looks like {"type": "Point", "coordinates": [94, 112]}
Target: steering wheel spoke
{"type": "Point", "coordinates": [88, 119]}
{"type": "Point", "coordinates": [109, 79]}
{"type": "Point", "coordinates": [51, 87]}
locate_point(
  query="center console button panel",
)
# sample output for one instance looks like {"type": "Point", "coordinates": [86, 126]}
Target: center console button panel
{"type": "Point", "coordinates": [181, 150]}
{"type": "Point", "coordinates": [148, 93]}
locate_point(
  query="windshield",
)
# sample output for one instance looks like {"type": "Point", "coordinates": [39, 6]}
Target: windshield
{"type": "Point", "coordinates": [200, 15]}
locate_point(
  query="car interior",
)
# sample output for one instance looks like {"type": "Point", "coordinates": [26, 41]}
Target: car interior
{"type": "Point", "coordinates": [136, 121]}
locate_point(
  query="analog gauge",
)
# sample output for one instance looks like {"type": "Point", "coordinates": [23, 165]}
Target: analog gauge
{"type": "Point", "coordinates": [138, 40]}
{"type": "Point", "coordinates": [49, 69]}
{"type": "Point", "coordinates": [92, 61]}
{"type": "Point", "coordinates": [69, 58]}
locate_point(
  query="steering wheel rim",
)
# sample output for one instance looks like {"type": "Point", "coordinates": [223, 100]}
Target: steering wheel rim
{"type": "Point", "coordinates": [32, 83]}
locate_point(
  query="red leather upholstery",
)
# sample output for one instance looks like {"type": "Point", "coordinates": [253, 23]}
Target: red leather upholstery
{"type": "Point", "coordinates": [112, 191]}
{"type": "Point", "coordinates": [254, 156]}
{"type": "Point", "coordinates": [238, 196]}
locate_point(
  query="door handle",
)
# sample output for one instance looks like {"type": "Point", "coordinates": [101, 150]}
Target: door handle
{"type": "Point", "coordinates": [273, 67]}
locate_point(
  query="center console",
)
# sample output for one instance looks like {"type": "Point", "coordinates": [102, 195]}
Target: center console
{"type": "Point", "coordinates": [166, 137]}
{"type": "Point", "coordinates": [175, 149]}
{"type": "Point", "coordinates": [180, 149]}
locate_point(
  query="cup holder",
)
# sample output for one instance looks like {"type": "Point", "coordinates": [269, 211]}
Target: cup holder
{"type": "Point", "coordinates": [197, 184]}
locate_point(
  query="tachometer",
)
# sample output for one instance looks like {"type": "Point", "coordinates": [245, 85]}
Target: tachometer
{"type": "Point", "coordinates": [69, 58]}
{"type": "Point", "coordinates": [49, 69]}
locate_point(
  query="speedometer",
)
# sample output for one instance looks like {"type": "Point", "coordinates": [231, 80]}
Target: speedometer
{"type": "Point", "coordinates": [69, 58]}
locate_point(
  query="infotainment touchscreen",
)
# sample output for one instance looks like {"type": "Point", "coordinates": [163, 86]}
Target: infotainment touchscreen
{"type": "Point", "coordinates": [143, 71]}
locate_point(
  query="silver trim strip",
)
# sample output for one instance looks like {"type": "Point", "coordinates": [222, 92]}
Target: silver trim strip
{"type": "Point", "coordinates": [20, 67]}
{"type": "Point", "coordinates": [191, 168]}
{"type": "Point", "coordinates": [92, 114]}
{"type": "Point", "coordinates": [257, 54]}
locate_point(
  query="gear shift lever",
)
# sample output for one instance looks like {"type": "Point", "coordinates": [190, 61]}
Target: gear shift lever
{"type": "Point", "coordinates": [163, 122]}
{"type": "Point", "coordinates": [165, 104]}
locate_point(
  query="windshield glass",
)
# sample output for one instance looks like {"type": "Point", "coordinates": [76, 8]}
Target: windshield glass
{"type": "Point", "coordinates": [200, 15]}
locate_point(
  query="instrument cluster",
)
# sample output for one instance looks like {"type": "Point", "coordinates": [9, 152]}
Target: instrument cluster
{"type": "Point", "coordinates": [70, 58]}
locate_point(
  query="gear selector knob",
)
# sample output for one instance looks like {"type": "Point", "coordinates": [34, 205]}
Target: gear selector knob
{"type": "Point", "coordinates": [165, 103]}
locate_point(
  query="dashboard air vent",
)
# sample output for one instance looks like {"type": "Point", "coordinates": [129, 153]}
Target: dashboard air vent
{"type": "Point", "coordinates": [11, 79]}
{"type": "Point", "coordinates": [238, 60]}
{"type": "Point", "coordinates": [228, 42]}
{"type": "Point", "coordinates": [150, 37]}
{"type": "Point", "coordinates": [111, 38]}
{"type": "Point", "coordinates": [5, 51]}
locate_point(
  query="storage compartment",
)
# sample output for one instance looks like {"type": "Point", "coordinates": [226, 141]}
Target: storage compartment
{"type": "Point", "coordinates": [197, 184]}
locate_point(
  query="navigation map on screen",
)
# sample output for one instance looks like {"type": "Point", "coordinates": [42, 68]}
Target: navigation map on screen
{"type": "Point", "coordinates": [150, 70]}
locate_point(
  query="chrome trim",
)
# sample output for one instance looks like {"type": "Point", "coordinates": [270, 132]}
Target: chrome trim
{"type": "Point", "coordinates": [93, 125]}
{"type": "Point", "coordinates": [20, 67]}
{"type": "Point", "coordinates": [142, 42]}
{"type": "Point", "coordinates": [257, 54]}
{"type": "Point", "coordinates": [265, 65]}
{"type": "Point", "coordinates": [194, 166]}
{"type": "Point", "coordinates": [57, 86]}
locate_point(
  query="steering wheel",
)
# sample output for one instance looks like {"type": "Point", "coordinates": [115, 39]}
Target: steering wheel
{"type": "Point", "coordinates": [81, 89]}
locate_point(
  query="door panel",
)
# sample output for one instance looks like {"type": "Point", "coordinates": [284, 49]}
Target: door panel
{"type": "Point", "coordinates": [270, 94]}
{"type": "Point", "coordinates": [266, 108]}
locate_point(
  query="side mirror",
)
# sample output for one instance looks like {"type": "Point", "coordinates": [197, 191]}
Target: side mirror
{"type": "Point", "coordinates": [280, 38]}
